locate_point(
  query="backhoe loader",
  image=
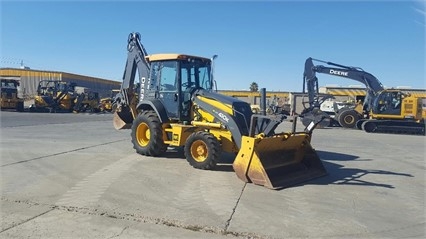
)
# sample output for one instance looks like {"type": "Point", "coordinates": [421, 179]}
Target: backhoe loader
{"type": "Point", "coordinates": [54, 96]}
{"type": "Point", "coordinates": [174, 105]}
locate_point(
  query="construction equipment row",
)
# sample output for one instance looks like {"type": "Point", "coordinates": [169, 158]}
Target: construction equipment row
{"type": "Point", "coordinates": [55, 96]}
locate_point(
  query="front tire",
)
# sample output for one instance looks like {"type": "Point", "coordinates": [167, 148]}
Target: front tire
{"type": "Point", "coordinates": [348, 118]}
{"type": "Point", "coordinates": [147, 134]}
{"type": "Point", "coordinates": [202, 150]}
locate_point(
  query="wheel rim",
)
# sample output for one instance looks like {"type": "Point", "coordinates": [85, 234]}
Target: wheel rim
{"type": "Point", "coordinates": [199, 151]}
{"type": "Point", "coordinates": [349, 119]}
{"type": "Point", "coordinates": [143, 134]}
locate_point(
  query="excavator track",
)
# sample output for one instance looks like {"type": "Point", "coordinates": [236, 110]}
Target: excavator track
{"type": "Point", "coordinates": [394, 127]}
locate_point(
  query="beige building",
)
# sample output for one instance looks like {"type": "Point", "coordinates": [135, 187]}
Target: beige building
{"type": "Point", "coordinates": [29, 80]}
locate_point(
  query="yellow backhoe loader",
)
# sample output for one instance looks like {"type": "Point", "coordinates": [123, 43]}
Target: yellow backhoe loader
{"type": "Point", "coordinates": [174, 104]}
{"type": "Point", "coordinates": [54, 96]}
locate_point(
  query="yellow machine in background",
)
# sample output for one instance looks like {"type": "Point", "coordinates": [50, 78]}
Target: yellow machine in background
{"type": "Point", "coordinates": [107, 102]}
{"type": "Point", "coordinates": [175, 105]}
{"type": "Point", "coordinates": [9, 95]}
{"type": "Point", "coordinates": [394, 111]}
{"type": "Point", "coordinates": [54, 96]}
{"type": "Point", "coordinates": [87, 101]}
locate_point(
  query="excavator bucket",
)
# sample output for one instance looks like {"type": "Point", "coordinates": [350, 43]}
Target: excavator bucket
{"type": "Point", "coordinates": [123, 118]}
{"type": "Point", "coordinates": [279, 161]}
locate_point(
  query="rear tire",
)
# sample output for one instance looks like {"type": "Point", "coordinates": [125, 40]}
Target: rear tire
{"type": "Point", "coordinates": [147, 134]}
{"type": "Point", "coordinates": [348, 118]}
{"type": "Point", "coordinates": [202, 150]}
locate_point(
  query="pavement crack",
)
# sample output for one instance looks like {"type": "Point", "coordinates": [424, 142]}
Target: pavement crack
{"type": "Point", "coordinates": [25, 221]}
{"type": "Point", "coordinates": [121, 233]}
{"type": "Point", "coordinates": [61, 153]}
{"type": "Point", "coordinates": [132, 217]}
{"type": "Point", "coordinates": [228, 222]}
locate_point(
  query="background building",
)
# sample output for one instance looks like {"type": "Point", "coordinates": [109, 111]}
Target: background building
{"type": "Point", "coordinates": [29, 80]}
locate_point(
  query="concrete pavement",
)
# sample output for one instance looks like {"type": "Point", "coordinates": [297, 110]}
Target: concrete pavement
{"type": "Point", "coordinates": [74, 176]}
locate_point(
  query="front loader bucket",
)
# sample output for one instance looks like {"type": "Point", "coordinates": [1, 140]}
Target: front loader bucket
{"type": "Point", "coordinates": [278, 162]}
{"type": "Point", "coordinates": [123, 118]}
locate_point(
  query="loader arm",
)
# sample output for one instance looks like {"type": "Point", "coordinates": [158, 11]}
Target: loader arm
{"type": "Point", "coordinates": [242, 122]}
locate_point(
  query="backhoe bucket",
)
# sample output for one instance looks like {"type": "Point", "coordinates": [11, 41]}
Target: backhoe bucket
{"type": "Point", "coordinates": [123, 118]}
{"type": "Point", "coordinates": [278, 162]}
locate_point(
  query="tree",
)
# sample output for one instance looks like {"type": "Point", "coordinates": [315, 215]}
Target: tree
{"type": "Point", "coordinates": [254, 87]}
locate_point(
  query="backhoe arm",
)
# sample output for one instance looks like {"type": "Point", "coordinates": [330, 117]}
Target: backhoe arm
{"type": "Point", "coordinates": [126, 100]}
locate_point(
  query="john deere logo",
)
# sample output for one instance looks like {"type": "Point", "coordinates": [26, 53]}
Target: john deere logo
{"type": "Point", "coordinates": [339, 73]}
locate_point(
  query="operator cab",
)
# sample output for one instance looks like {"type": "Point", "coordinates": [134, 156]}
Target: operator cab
{"type": "Point", "coordinates": [388, 103]}
{"type": "Point", "coordinates": [176, 77]}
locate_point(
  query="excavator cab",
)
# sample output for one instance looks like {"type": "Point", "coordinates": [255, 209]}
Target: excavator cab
{"type": "Point", "coordinates": [388, 103]}
{"type": "Point", "coordinates": [176, 106]}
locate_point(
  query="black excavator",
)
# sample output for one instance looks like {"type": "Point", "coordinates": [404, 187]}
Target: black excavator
{"type": "Point", "coordinates": [173, 104]}
{"type": "Point", "coordinates": [382, 111]}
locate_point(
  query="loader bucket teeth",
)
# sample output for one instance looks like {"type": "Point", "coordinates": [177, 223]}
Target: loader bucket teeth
{"type": "Point", "coordinates": [278, 162]}
{"type": "Point", "coordinates": [122, 119]}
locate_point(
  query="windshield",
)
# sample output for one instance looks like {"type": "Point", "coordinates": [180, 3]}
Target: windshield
{"type": "Point", "coordinates": [196, 72]}
{"type": "Point", "coordinates": [8, 84]}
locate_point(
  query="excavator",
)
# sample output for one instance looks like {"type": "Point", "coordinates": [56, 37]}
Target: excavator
{"type": "Point", "coordinates": [382, 111]}
{"type": "Point", "coordinates": [173, 104]}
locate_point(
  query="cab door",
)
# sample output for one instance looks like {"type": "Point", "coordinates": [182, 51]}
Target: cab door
{"type": "Point", "coordinates": [166, 72]}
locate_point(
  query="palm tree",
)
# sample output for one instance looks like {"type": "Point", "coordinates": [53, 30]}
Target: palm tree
{"type": "Point", "coordinates": [254, 87]}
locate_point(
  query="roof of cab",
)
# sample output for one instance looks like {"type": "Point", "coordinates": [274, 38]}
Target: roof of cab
{"type": "Point", "coordinates": [172, 56]}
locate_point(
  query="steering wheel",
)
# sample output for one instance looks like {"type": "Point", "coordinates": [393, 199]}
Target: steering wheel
{"type": "Point", "coordinates": [187, 84]}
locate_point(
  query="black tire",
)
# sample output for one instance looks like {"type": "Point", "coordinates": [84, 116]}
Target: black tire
{"type": "Point", "coordinates": [348, 118]}
{"type": "Point", "coordinates": [20, 107]}
{"type": "Point", "coordinates": [147, 134]}
{"type": "Point", "coordinates": [202, 150]}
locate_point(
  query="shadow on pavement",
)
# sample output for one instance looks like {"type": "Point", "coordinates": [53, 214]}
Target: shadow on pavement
{"type": "Point", "coordinates": [338, 174]}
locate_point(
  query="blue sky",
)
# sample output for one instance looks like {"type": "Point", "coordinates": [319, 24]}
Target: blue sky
{"type": "Point", "coordinates": [257, 41]}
